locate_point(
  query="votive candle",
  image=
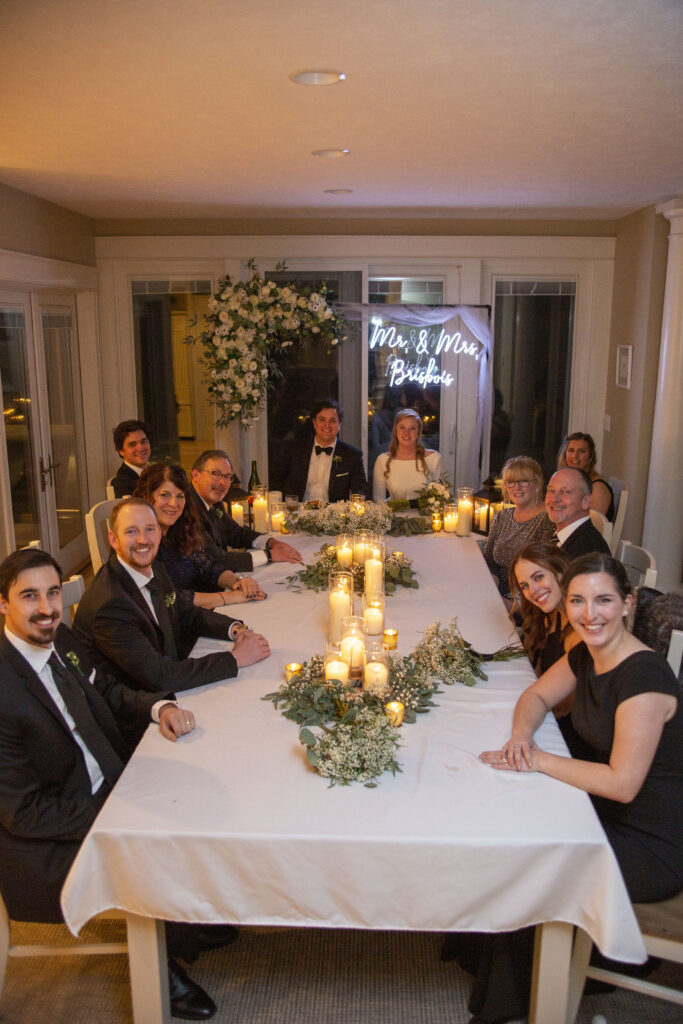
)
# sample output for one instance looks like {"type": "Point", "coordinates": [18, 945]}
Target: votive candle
{"type": "Point", "coordinates": [394, 711]}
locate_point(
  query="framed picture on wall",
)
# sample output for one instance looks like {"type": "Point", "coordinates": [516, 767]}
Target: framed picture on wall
{"type": "Point", "coordinates": [624, 357]}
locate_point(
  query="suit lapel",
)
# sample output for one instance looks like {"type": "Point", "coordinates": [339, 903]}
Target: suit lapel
{"type": "Point", "coordinates": [131, 587]}
{"type": "Point", "coordinates": [32, 682]}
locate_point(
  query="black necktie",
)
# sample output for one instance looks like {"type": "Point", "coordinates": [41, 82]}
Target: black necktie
{"type": "Point", "coordinates": [90, 732]}
{"type": "Point", "coordinates": [163, 619]}
{"type": "Point", "coordinates": [319, 448]}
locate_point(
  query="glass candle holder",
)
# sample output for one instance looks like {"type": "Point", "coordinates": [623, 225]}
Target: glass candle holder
{"type": "Point", "coordinates": [340, 586]}
{"type": "Point", "coordinates": [394, 710]}
{"type": "Point", "coordinates": [277, 516]}
{"type": "Point", "coordinates": [292, 502]}
{"type": "Point", "coordinates": [354, 633]}
{"type": "Point", "coordinates": [292, 670]}
{"type": "Point", "coordinates": [273, 497]}
{"type": "Point", "coordinates": [237, 512]}
{"type": "Point", "coordinates": [373, 613]}
{"type": "Point", "coordinates": [374, 566]}
{"type": "Point", "coordinates": [465, 510]}
{"type": "Point", "coordinates": [362, 540]}
{"type": "Point", "coordinates": [335, 665]}
{"type": "Point", "coordinates": [436, 522]}
{"type": "Point", "coordinates": [450, 518]}
{"type": "Point", "coordinates": [376, 671]}
{"type": "Point", "coordinates": [390, 639]}
{"type": "Point", "coordinates": [482, 509]}
{"type": "Point", "coordinates": [345, 550]}
{"type": "Point", "coordinates": [260, 509]}
{"type": "Point", "coordinates": [357, 503]}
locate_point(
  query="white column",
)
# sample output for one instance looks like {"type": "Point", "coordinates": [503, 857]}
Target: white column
{"type": "Point", "coordinates": [663, 525]}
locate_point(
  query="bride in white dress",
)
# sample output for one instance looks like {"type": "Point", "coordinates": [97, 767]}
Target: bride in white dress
{"type": "Point", "coordinates": [407, 466]}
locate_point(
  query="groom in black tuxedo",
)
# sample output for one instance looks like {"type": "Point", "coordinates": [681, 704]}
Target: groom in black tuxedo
{"type": "Point", "coordinates": [133, 622]}
{"type": "Point", "coordinates": [65, 736]}
{"type": "Point", "coordinates": [325, 469]}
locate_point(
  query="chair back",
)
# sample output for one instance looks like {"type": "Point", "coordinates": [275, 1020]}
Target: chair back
{"type": "Point", "coordinates": [602, 524]}
{"type": "Point", "coordinates": [72, 591]}
{"type": "Point", "coordinates": [97, 532]}
{"type": "Point", "coordinates": [110, 489]}
{"type": "Point", "coordinates": [675, 653]}
{"type": "Point", "coordinates": [618, 524]}
{"type": "Point", "coordinates": [640, 565]}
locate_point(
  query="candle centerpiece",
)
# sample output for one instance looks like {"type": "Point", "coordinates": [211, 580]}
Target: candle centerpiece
{"type": "Point", "coordinates": [335, 665]}
{"type": "Point", "coordinates": [291, 670]}
{"type": "Point", "coordinates": [373, 612]}
{"type": "Point", "coordinates": [354, 633]}
{"type": "Point", "coordinates": [357, 503]}
{"type": "Point", "coordinates": [436, 522]}
{"type": "Point", "coordinates": [374, 567]}
{"type": "Point", "coordinates": [465, 509]}
{"type": "Point", "coordinates": [260, 509]}
{"type": "Point", "coordinates": [277, 516]}
{"type": "Point", "coordinates": [389, 639]}
{"type": "Point", "coordinates": [450, 519]}
{"type": "Point", "coordinates": [395, 710]}
{"type": "Point", "coordinates": [376, 671]}
{"type": "Point", "coordinates": [345, 550]}
{"type": "Point", "coordinates": [362, 540]}
{"type": "Point", "coordinates": [340, 586]}
{"type": "Point", "coordinates": [237, 512]}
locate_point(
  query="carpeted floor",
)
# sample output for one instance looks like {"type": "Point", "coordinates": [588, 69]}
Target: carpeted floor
{"type": "Point", "coordinates": [286, 976]}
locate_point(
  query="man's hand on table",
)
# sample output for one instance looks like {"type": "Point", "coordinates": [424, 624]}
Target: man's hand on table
{"type": "Point", "coordinates": [250, 647]}
{"type": "Point", "coordinates": [175, 721]}
{"type": "Point", "coordinates": [283, 552]}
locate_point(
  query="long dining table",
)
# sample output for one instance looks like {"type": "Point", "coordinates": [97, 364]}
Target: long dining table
{"type": "Point", "coordinates": [231, 824]}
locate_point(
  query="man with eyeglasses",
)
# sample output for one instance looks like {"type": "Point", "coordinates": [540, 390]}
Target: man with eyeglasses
{"type": "Point", "coordinates": [211, 478]}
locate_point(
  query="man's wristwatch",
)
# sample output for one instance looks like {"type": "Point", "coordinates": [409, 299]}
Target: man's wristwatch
{"type": "Point", "coordinates": [269, 553]}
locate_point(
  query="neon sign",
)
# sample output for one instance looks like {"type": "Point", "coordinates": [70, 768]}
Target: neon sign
{"type": "Point", "coordinates": [419, 343]}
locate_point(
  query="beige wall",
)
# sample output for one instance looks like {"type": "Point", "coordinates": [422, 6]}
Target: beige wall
{"type": "Point", "coordinates": [34, 226]}
{"type": "Point", "coordinates": [639, 277]}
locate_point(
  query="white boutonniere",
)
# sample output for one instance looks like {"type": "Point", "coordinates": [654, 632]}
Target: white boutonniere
{"type": "Point", "coordinates": [337, 459]}
{"type": "Point", "coordinates": [169, 599]}
{"type": "Point", "coordinates": [74, 661]}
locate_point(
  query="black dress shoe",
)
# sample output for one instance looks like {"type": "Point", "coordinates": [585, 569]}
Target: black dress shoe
{"type": "Point", "coordinates": [189, 1001]}
{"type": "Point", "coordinates": [216, 936]}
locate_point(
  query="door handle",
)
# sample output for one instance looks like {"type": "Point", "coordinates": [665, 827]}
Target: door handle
{"type": "Point", "coordinates": [46, 471]}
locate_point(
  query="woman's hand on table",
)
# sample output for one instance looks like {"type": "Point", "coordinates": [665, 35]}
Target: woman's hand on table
{"type": "Point", "coordinates": [519, 754]}
{"type": "Point", "coordinates": [249, 590]}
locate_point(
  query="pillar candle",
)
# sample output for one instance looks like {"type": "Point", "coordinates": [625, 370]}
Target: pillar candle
{"type": "Point", "coordinates": [345, 556]}
{"type": "Point", "coordinates": [374, 576]}
{"type": "Point", "coordinates": [276, 521]}
{"type": "Point", "coordinates": [261, 515]}
{"type": "Point", "coordinates": [237, 512]}
{"type": "Point", "coordinates": [375, 620]}
{"type": "Point", "coordinates": [450, 522]}
{"type": "Point", "coordinates": [464, 518]}
{"type": "Point", "coordinates": [353, 650]}
{"type": "Point", "coordinates": [376, 677]}
{"type": "Point", "coordinates": [337, 670]}
{"type": "Point", "coordinates": [340, 608]}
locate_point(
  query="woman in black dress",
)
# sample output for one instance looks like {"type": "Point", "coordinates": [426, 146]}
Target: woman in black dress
{"type": "Point", "coordinates": [182, 551]}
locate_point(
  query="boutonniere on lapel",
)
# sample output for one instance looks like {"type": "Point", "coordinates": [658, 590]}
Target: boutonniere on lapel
{"type": "Point", "coordinates": [169, 599]}
{"type": "Point", "coordinates": [74, 661]}
{"type": "Point", "coordinates": [219, 512]}
{"type": "Point", "coordinates": [337, 459]}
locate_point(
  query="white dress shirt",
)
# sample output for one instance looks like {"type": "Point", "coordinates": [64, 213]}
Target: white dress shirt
{"type": "Point", "coordinates": [567, 531]}
{"type": "Point", "coordinates": [319, 470]}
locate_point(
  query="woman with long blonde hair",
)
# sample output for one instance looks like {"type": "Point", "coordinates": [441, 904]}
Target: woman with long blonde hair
{"type": "Point", "coordinates": [408, 466]}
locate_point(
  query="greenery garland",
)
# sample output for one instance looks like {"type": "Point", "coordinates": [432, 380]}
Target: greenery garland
{"type": "Point", "coordinates": [398, 572]}
{"type": "Point", "coordinates": [352, 720]}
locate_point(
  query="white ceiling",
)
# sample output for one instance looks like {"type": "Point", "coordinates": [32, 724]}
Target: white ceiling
{"type": "Point", "coordinates": [138, 108]}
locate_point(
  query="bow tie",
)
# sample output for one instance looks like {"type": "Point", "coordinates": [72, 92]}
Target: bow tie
{"type": "Point", "coordinates": [319, 448]}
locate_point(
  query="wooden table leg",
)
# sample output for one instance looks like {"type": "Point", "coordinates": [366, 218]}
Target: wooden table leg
{"type": "Point", "coordinates": [550, 979]}
{"type": "Point", "coordinates": [148, 970]}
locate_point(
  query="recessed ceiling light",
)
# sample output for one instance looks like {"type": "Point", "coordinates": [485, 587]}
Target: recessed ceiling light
{"type": "Point", "coordinates": [317, 77]}
{"type": "Point", "coordinates": [338, 191]}
{"type": "Point", "coordinates": [330, 152]}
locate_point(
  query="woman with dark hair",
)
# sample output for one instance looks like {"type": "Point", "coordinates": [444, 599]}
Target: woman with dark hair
{"type": "Point", "coordinates": [408, 466]}
{"type": "Point", "coordinates": [578, 452]}
{"type": "Point", "coordinates": [536, 576]}
{"type": "Point", "coordinates": [628, 710]}
{"type": "Point", "coordinates": [189, 564]}
{"type": "Point", "coordinates": [516, 527]}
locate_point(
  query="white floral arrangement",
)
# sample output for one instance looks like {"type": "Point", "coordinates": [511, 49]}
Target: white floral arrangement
{"type": "Point", "coordinates": [249, 328]}
{"type": "Point", "coordinates": [341, 517]}
{"type": "Point", "coordinates": [434, 496]}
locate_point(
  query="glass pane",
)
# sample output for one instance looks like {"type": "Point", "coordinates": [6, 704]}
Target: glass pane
{"type": "Point", "coordinates": [531, 371]}
{"type": "Point", "coordinates": [172, 397]}
{"type": "Point", "coordinates": [59, 370]}
{"type": "Point", "coordinates": [392, 371]}
{"type": "Point", "coordinates": [16, 409]}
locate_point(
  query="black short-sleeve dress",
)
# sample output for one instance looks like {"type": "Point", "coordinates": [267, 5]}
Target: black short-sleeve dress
{"type": "Point", "coordinates": [647, 833]}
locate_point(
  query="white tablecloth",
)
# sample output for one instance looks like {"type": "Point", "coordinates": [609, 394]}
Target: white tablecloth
{"type": "Point", "coordinates": [230, 824]}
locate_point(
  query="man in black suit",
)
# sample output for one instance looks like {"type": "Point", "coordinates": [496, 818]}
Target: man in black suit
{"type": "Point", "coordinates": [567, 502]}
{"type": "Point", "coordinates": [132, 621]}
{"type": "Point", "coordinates": [211, 478]}
{"type": "Point", "coordinates": [325, 469]}
{"type": "Point", "coordinates": [62, 749]}
{"type": "Point", "coordinates": [131, 440]}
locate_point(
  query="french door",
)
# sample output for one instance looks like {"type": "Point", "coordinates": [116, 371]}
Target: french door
{"type": "Point", "coordinates": [44, 489]}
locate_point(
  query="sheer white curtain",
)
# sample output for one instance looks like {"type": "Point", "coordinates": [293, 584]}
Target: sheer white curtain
{"type": "Point", "coordinates": [476, 320]}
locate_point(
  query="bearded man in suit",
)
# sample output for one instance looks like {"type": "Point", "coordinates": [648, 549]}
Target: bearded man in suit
{"type": "Point", "coordinates": [325, 469]}
{"type": "Point", "coordinates": [65, 736]}
{"type": "Point", "coordinates": [132, 621]}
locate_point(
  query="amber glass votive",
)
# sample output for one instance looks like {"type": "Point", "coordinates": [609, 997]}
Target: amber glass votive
{"type": "Point", "coordinates": [394, 711]}
{"type": "Point", "coordinates": [390, 639]}
{"type": "Point", "coordinates": [292, 670]}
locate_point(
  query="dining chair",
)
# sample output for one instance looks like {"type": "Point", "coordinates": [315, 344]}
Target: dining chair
{"type": "Point", "coordinates": [675, 652]}
{"type": "Point", "coordinates": [603, 525]}
{"type": "Point", "coordinates": [640, 565]}
{"type": "Point", "coordinates": [110, 489]}
{"type": "Point", "coordinates": [8, 949]}
{"type": "Point", "coordinates": [618, 524]}
{"type": "Point", "coordinates": [661, 925]}
{"type": "Point", "coordinates": [97, 532]}
{"type": "Point", "coordinates": [72, 591]}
